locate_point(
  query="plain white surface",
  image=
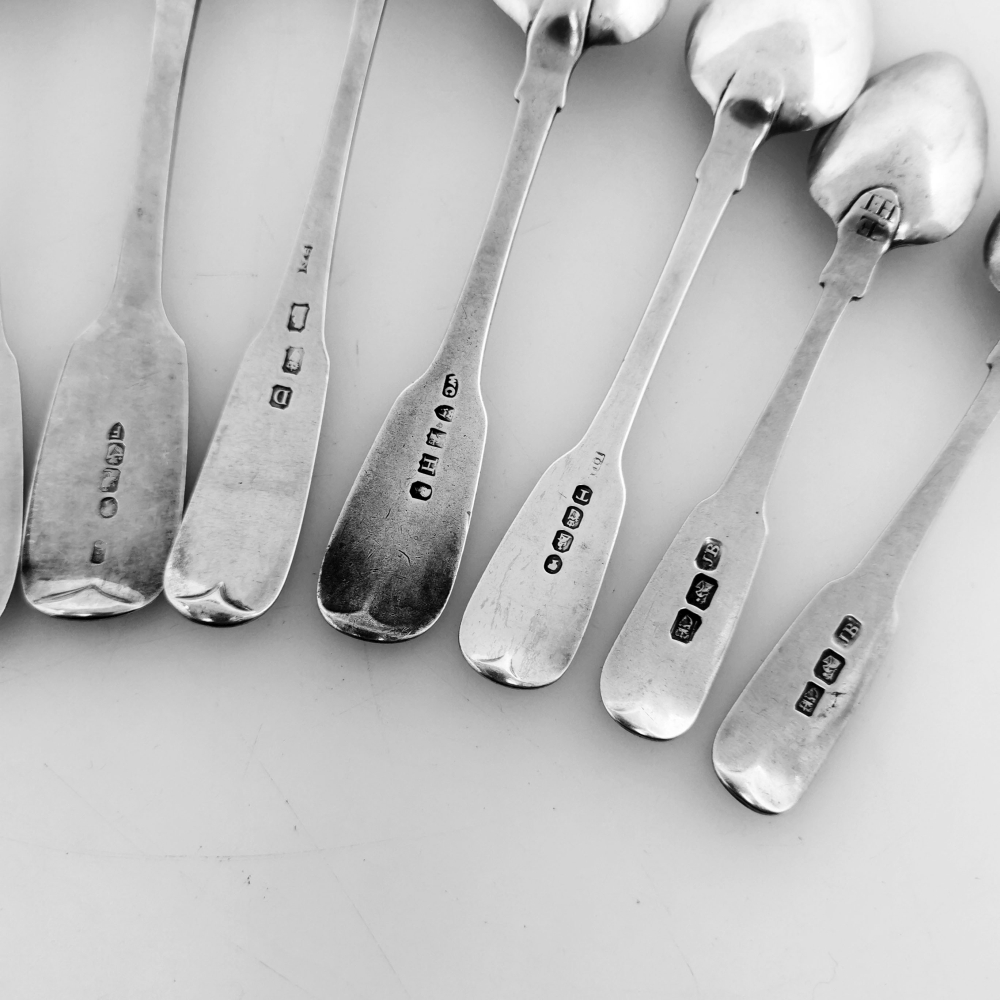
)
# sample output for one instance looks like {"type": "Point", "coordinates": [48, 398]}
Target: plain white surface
{"type": "Point", "coordinates": [278, 811]}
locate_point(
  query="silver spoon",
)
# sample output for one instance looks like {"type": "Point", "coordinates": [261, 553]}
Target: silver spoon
{"type": "Point", "coordinates": [904, 165]}
{"type": "Point", "coordinates": [109, 480]}
{"type": "Point", "coordinates": [236, 542]}
{"type": "Point", "coordinates": [785, 722]}
{"type": "Point", "coordinates": [764, 66]}
{"type": "Point", "coordinates": [11, 469]}
{"type": "Point", "coordinates": [395, 549]}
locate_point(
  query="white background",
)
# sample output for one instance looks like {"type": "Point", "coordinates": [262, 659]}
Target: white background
{"type": "Point", "coordinates": [278, 811]}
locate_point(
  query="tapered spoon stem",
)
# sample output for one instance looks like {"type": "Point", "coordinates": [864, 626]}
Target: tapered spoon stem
{"type": "Point", "coordinates": [667, 655]}
{"type": "Point", "coordinates": [784, 724]}
{"type": "Point", "coordinates": [391, 561]}
{"type": "Point", "coordinates": [140, 266]}
{"type": "Point", "coordinates": [236, 542]}
{"type": "Point", "coordinates": [528, 614]}
{"type": "Point", "coordinates": [109, 481]}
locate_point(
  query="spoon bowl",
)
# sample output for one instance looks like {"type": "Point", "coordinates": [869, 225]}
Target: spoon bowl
{"type": "Point", "coordinates": [611, 22]}
{"type": "Point", "coordinates": [919, 128]}
{"type": "Point", "coordinates": [991, 253]}
{"type": "Point", "coordinates": [820, 49]}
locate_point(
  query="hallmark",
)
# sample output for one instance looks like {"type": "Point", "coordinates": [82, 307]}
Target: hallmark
{"type": "Point", "coordinates": [809, 699]}
{"type": "Point", "coordinates": [293, 360]}
{"type": "Point", "coordinates": [686, 624]}
{"type": "Point", "coordinates": [848, 631]}
{"type": "Point", "coordinates": [702, 591]}
{"type": "Point", "coordinates": [297, 316]}
{"type": "Point", "coordinates": [829, 666]}
{"type": "Point", "coordinates": [281, 396]}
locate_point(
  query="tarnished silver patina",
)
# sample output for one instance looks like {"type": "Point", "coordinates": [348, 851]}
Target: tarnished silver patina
{"type": "Point", "coordinates": [109, 482]}
{"type": "Point", "coordinates": [392, 558]}
{"type": "Point", "coordinates": [779, 732]}
{"type": "Point", "coordinates": [762, 65]}
{"type": "Point", "coordinates": [11, 469]}
{"type": "Point", "coordinates": [242, 522]}
{"type": "Point", "coordinates": [917, 131]}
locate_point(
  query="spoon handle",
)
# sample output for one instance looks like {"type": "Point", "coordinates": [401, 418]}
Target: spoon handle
{"type": "Point", "coordinates": [239, 532]}
{"type": "Point", "coordinates": [140, 267]}
{"type": "Point", "coordinates": [529, 611]}
{"type": "Point", "coordinates": [783, 725]}
{"type": "Point", "coordinates": [109, 480]}
{"type": "Point", "coordinates": [663, 663]}
{"type": "Point", "coordinates": [392, 558]}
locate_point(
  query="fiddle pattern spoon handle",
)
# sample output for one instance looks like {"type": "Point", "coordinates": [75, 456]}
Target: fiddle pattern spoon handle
{"type": "Point", "coordinates": [109, 480]}
{"type": "Point", "coordinates": [780, 730]}
{"type": "Point", "coordinates": [392, 558]}
{"type": "Point", "coordinates": [663, 663]}
{"type": "Point", "coordinates": [239, 532]}
{"type": "Point", "coordinates": [530, 609]}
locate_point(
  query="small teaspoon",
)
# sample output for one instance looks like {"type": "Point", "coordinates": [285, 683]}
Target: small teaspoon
{"type": "Point", "coordinates": [784, 724]}
{"type": "Point", "coordinates": [764, 66]}
{"type": "Point", "coordinates": [109, 480]}
{"type": "Point", "coordinates": [904, 165]}
{"type": "Point", "coordinates": [391, 561]}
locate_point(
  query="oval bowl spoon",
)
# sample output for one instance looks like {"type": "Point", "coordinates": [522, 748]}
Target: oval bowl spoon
{"type": "Point", "coordinates": [904, 165]}
{"type": "Point", "coordinates": [784, 724]}
{"type": "Point", "coordinates": [391, 561]}
{"type": "Point", "coordinates": [762, 65]}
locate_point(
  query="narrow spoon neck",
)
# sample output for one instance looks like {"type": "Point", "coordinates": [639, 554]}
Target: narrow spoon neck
{"type": "Point", "coordinates": [863, 235]}
{"type": "Point", "coordinates": [309, 269]}
{"type": "Point", "coordinates": [721, 174]}
{"type": "Point", "coordinates": [887, 561]}
{"type": "Point", "coordinates": [138, 282]}
{"type": "Point", "coordinates": [555, 44]}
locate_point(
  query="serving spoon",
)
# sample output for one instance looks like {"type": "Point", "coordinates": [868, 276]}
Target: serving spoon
{"type": "Point", "coordinates": [904, 165]}
{"type": "Point", "coordinates": [238, 536]}
{"type": "Point", "coordinates": [109, 481]}
{"type": "Point", "coordinates": [391, 561]}
{"type": "Point", "coordinates": [784, 724]}
{"type": "Point", "coordinates": [764, 66]}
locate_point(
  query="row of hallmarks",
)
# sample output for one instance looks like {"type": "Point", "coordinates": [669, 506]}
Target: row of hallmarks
{"type": "Point", "coordinates": [437, 436]}
{"type": "Point", "coordinates": [107, 507]}
{"type": "Point", "coordinates": [828, 667]}
{"type": "Point", "coordinates": [298, 315]}
{"type": "Point", "coordinates": [700, 594]}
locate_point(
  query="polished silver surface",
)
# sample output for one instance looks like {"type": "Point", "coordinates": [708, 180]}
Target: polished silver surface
{"type": "Point", "coordinates": [823, 47]}
{"type": "Point", "coordinates": [109, 481]}
{"type": "Point", "coordinates": [609, 21]}
{"type": "Point", "coordinates": [782, 727]}
{"type": "Point", "coordinates": [391, 561]}
{"type": "Point", "coordinates": [661, 667]}
{"type": "Point", "coordinates": [236, 541]}
{"type": "Point", "coordinates": [528, 614]}
{"type": "Point", "coordinates": [11, 469]}
{"type": "Point", "coordinates": [919, 128]}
